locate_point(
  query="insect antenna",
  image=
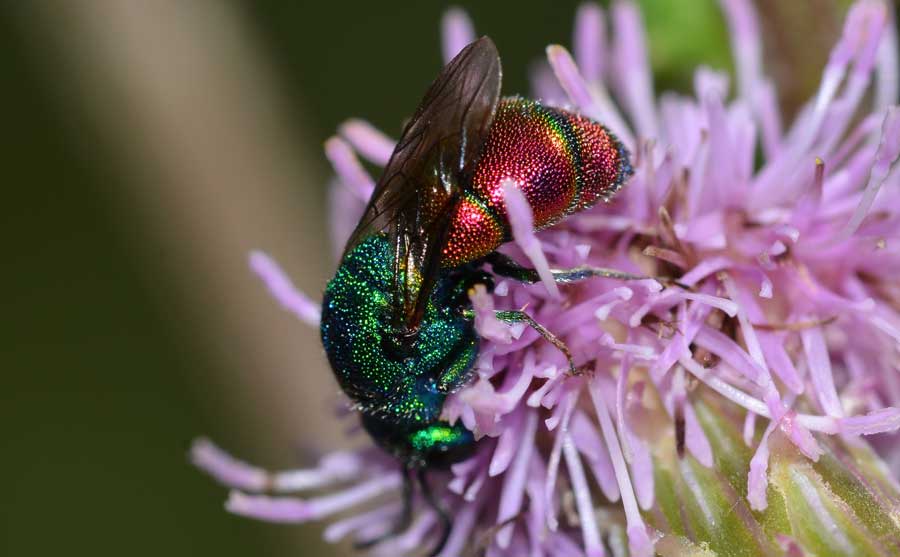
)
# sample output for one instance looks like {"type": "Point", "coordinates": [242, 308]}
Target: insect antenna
{"type": "Point", "coordinates": [480, 547]}
{"type": "Point", "coordinates": [405, 519]}
{"type": "Point", "coordinates": [444, 518]}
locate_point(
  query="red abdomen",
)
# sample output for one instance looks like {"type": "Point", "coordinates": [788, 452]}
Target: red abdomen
{"type": "Point", "coordinates": [562, 162]}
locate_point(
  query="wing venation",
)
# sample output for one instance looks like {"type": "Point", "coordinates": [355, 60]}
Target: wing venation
{"type": "Point", "coordinates": [427, 172]}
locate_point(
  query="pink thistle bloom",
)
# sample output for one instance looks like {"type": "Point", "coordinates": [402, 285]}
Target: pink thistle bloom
{"type": "Point", "coordinates": [703, 407]}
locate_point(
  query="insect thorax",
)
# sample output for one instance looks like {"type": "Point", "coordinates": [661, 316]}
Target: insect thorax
{"type": "Point", "coordinates": [399, 386]}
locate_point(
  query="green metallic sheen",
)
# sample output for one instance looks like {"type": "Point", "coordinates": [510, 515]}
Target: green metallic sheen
{"type": "Point", "coordinates": [399, 387]}
{"type": "Point", "coordinates": [435, 435]}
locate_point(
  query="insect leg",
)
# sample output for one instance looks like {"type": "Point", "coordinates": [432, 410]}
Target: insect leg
{"type": "Point", "coordinates": [519, 316]}
{"type": "Point", "coordinates": [443, 517]}
{"type": "Point", "coordinates": [504, 265]}
{"type": "Point", "coordinates": [405, 515]}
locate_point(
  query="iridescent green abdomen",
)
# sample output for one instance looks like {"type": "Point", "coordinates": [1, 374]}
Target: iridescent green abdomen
{"type": "Point", "coordinates": [399, 389]}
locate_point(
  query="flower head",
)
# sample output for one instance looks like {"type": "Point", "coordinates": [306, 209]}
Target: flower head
{"type": "Point", "coordinates": [726, 409]}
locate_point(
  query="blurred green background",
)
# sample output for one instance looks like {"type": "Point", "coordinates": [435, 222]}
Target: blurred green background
{"type": "Point", "coordinates": [130, 322]}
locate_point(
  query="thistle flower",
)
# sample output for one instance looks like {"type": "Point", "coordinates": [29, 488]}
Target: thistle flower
{"type": "Point", "coordinates": [722, 416]}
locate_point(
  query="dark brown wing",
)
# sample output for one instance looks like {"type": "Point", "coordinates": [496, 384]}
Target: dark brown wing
{"type": "Point", "coordinates": [422, 181]}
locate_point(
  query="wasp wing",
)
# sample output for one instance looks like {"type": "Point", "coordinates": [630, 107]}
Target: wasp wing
{"type": "Point", "coordinates": [422, 182]}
